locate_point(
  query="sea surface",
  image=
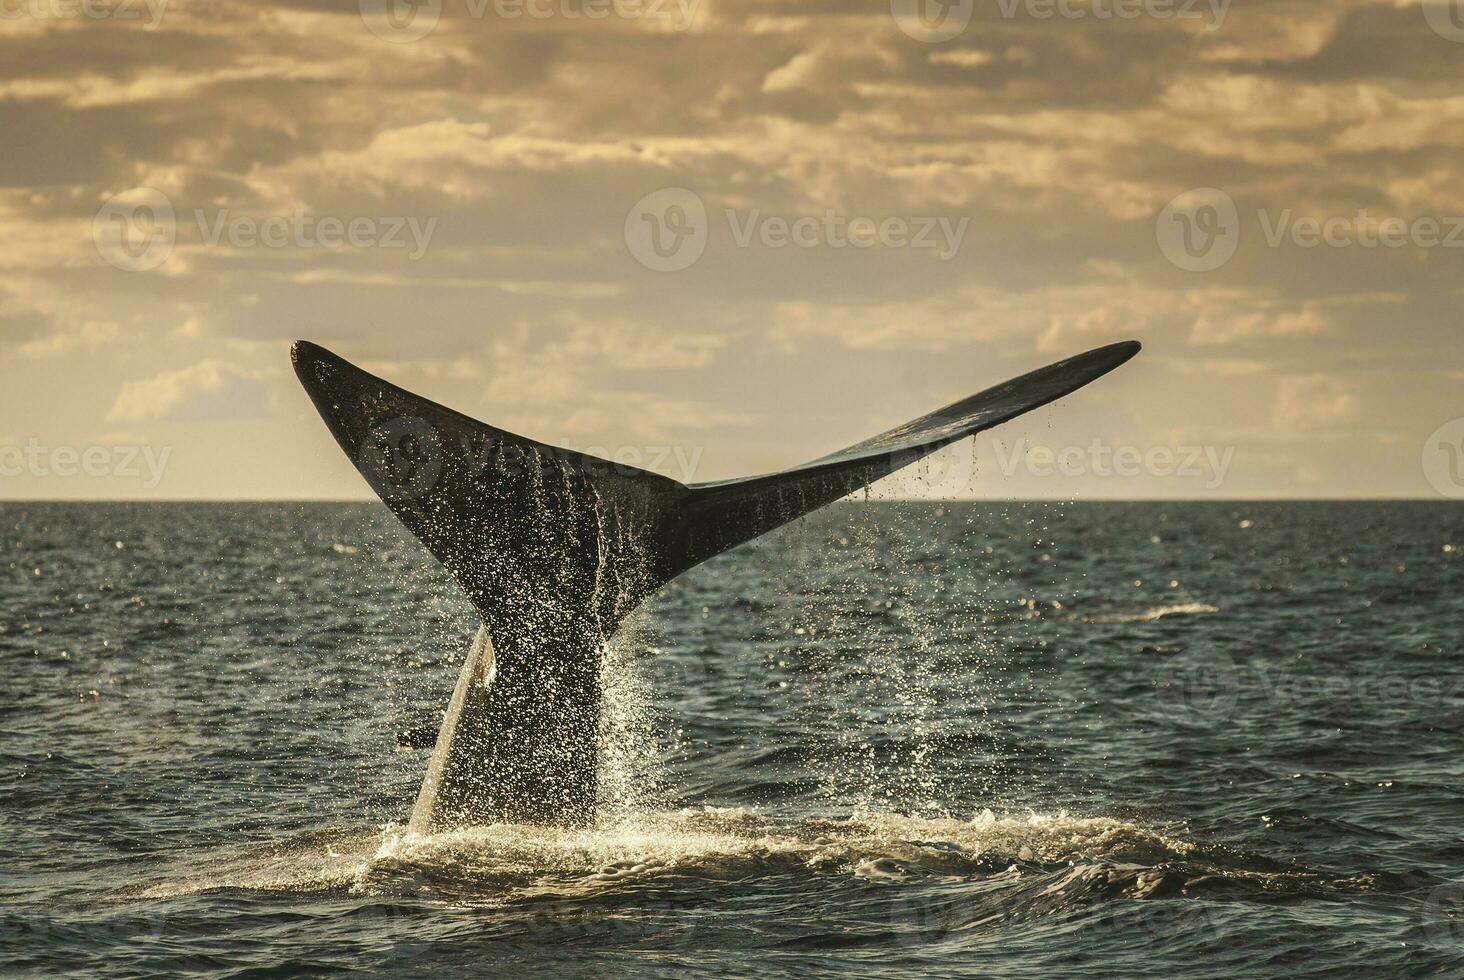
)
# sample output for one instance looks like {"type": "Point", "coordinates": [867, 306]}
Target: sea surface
{"type": "Point", "coordinates": [893, 739]}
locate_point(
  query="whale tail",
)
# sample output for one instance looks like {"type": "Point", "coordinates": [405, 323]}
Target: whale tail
{"type": "Point", "coordinates": [555, 548]}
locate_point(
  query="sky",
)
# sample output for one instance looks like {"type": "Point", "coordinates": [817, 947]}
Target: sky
{"type": "Point", "coordinates": [721, 237]}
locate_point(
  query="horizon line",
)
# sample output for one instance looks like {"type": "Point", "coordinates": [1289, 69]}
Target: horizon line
{"type": "Point", "coordinates": [843, 500]}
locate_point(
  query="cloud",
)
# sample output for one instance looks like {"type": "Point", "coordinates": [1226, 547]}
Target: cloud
{"type": "Point", "coordinates": [208, 389]}
{"type": "Point", "coordinates": [611, 343]}
{"type": "Point", "coordinates": [1312, 401]}
{"type": "Point", "coordinates": [961, 318]}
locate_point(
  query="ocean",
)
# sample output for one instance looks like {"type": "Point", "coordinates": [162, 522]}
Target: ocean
{"type": "Point", "coordinates": [891, 739]}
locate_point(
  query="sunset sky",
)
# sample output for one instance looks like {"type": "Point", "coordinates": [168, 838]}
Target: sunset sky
{"type": "Point", "coordinates": [630, 233]}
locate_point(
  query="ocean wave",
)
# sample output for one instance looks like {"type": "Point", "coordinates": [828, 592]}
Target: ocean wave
{"type": "Point", "coordinates": [697, 848]}
{"type": "Point", "coordinates": [1152, 614]}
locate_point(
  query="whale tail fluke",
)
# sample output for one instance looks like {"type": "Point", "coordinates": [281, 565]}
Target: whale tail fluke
{"type": "Point", "coordinates": [555, 548]}
{"type": "Point", "coordinates": [515, 520]}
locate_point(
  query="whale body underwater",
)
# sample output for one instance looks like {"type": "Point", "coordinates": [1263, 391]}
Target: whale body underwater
{"type": "Point", "coordinates": [555, 548]}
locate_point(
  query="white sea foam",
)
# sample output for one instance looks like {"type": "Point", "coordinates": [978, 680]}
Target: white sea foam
{"type": "Point", "coordinates": [1155, 613]}
{"type": "Point", "coordinates": [500, 860]}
